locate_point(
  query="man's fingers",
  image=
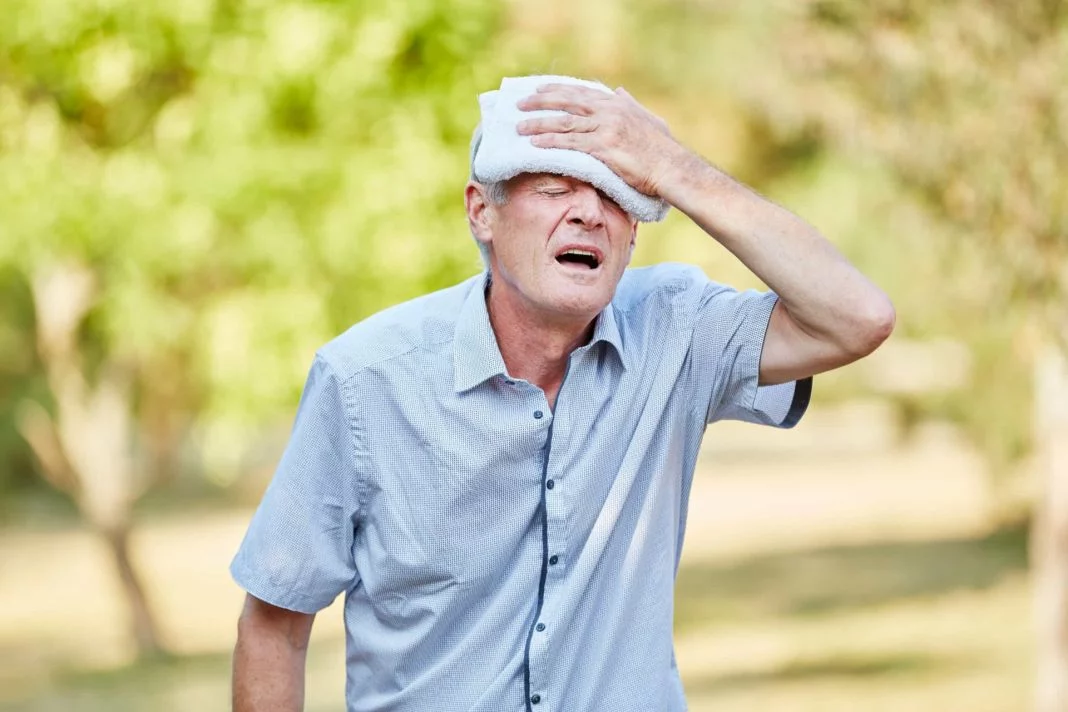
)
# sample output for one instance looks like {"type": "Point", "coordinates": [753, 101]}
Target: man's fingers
{"type": "Point", "coordinates": [568, 123]}
{"type": "Point", "coordinates": [574, 141]}
{"type": "Point", "coordinates": [573, 90]}
{"type": "Point", "coordinates": [558, 102]}
{"type": "Point", "coordinates": [562, 97]}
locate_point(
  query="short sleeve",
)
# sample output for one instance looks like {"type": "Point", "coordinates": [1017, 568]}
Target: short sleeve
{"type": "Point", "coordinates": [728, 339]}
{"type": "Point", "coordinates": [297, 553]}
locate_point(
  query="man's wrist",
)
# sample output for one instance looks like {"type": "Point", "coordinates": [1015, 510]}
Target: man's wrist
{"type": "Point", "coordinates": [691, 182]}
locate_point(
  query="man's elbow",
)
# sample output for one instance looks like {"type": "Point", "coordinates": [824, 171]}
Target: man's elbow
{"type": "Point", "coordinates": [874, 324]}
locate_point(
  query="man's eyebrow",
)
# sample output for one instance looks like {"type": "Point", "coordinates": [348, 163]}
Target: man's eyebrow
{"type": "Point", "coordinates": [546, 180]}
{"type": "Point", "coordinates": [609, 198]}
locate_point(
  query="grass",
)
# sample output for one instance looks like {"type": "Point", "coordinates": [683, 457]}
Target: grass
{"type": "Point", "coordinates": [828, 579]}
{"type": "Point", "coordinates": [894, 624]}
{"type": "Point", "coordinates": [932, 625]}
{"type": "Point", "coordinates": [182, 683]}
{"type": "Point", "coordinates": [803, 588]}
{"type": "Point", "coordinates": [902, 666]}
{"type": "Point", "coordinates": [962, 650]}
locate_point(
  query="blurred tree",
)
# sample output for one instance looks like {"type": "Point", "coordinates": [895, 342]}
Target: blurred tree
{"type": "Point", "coordinates": [967, 101]}
{"type": "Point", "coordinates": [194, 196]}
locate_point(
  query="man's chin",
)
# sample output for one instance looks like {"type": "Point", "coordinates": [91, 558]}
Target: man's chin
{"type": "Point", "coordinates": [581, 300]}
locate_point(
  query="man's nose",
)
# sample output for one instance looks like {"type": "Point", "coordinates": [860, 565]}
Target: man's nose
{"type": "Point", "coordinates": [586, 209]}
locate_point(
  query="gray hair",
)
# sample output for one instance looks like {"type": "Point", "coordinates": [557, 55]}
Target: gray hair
{"type": "Point", "coordinates": [496, 192]}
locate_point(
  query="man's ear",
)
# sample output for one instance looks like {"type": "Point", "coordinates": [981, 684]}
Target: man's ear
{"type": "Point", "coordinates": [479, 212]}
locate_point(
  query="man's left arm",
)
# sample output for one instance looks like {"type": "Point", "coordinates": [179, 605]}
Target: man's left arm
{"type": "Point", "coordinates": [828, 313]}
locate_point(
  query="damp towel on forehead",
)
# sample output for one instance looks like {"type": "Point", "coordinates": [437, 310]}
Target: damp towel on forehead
{"type": "Point", "coordinates": [498, 152]}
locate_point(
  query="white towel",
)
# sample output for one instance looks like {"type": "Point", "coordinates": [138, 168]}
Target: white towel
{"type": "Point", "coordinates": [500, 153]}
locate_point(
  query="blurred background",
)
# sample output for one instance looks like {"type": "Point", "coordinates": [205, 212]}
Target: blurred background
{"type": "Point", "coordinates": [195, 195]}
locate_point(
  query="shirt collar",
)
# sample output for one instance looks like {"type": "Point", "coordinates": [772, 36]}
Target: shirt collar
{"type": "Point", "coordinates": [607, 329]}
{"type": "Point", "coordinates": [476, 356]}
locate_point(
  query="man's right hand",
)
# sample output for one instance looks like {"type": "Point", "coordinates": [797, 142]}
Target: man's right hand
{"type": "Point", "coordinates": [269, 659]}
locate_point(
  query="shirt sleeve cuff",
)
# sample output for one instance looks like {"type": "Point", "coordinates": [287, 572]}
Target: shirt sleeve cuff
{"type": "Point", "coordinates": [257, 586]}
{"type": "Point", "coordinates": [780, 405]}
{"type": "Point", "coordinates": [785, 403]}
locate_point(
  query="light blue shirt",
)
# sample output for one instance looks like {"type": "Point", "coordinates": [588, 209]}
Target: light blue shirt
{"type": "Point", "coordinates": [496, 556]}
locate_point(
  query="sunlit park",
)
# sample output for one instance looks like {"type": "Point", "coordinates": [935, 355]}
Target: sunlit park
{"type": "Point", "coordinates": [196, 195]}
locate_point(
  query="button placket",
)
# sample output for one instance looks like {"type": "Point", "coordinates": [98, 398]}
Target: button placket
{"type": "Point", "coordinates": [539, 643]}
{"type": "Point", "coordinates": [557, 493]}
{"type": "Point", "coordinates": [556, 514]}
{"type": "Point", "coordinates": [539, 649]}
{"type": "Point", "coordinates": [539, 660]}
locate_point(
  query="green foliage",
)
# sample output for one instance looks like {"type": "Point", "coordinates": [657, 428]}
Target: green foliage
{"type": "Point", "coordinates": [967, 103]}
{"type": "Point", "coordinates": [16, 360]}
{"type": "Point", "coordinates": [247, 178]}
{"type": "Point", "coordinates": [244, 179]}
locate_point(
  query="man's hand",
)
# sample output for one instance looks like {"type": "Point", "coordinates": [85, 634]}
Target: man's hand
{"type": "Point", "coordinates": [613, 128]}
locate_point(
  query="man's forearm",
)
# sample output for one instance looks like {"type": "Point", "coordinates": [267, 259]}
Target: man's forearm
{"type": "Point", "coordinates": [268, 673]}
{"type": "Point", "coordinates": [823, 293]}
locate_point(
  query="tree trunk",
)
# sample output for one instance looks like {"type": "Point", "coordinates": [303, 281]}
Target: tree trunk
{"type": "Point", "coordinates": [85, 448]}
{"type": "Point", "coordinates": [142, 622]}
{"type": "Point", "coordinates": [1049, 533]}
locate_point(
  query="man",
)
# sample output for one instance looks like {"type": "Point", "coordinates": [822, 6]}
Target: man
{"type": "Point", "coordinates": [496, 475]}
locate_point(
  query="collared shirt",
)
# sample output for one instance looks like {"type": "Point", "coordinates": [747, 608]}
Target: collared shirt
{"type": "Point", "coordinates": [497, 556]}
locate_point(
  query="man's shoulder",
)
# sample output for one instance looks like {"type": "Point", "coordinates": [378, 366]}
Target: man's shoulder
{"type": "Point", "coordinates": [667, 281]}
{"type": "Point", "coordinates": [423, 323]}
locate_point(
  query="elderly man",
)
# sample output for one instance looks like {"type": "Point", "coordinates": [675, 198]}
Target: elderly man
{"type": "Point", "coordinates": [496, 475]}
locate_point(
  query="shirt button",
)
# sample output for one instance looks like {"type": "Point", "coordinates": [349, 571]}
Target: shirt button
{"type": "Point", "coordinates": [550, 484]}
{"type": "Point", "coordinates": [538, 414]}
{"type": "Point", "coordinates": [553, 559]}
{"type": "Point", "coordinates": [510, 382]}
{"type": "Point", "coordinates": [535, 699]}
{"type": "Point", "coordinates": [539, 627]}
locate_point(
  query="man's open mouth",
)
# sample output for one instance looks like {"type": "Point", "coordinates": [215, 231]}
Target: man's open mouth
{"type": "Point", "coordinates": [573, 256]}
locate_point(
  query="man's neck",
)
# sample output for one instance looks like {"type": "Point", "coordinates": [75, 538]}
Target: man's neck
{"type": "Point", "coordinates": [534, 350]}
